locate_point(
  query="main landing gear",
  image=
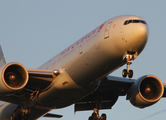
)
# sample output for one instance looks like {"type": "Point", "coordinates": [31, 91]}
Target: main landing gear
{"type": "Point", "coordinates": [23, 110]}
{"type": "Point", "coordinates": [98, 105]}
{"type": "Point", "coordinates": [127, 72]}
{"type": "Point", "coordinates": [95, 115]}
{"type": "Point", "coordinates": [128, 57]}
{"type": "Point", "coordinates": [20, 114]}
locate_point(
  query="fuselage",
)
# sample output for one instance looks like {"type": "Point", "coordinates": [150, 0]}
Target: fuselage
{"type": "Point", "coordinates": [83, 64]}
{"type": "Point", "coordinates": [100, 49]}
{"type": "Point", "coordinates": [96, 55]}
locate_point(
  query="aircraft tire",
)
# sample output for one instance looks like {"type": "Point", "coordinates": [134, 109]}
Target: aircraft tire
{"type": "Point", "coordinates": [13, 117]}
{"type": "Point", "coordinates": [90, 118]}
{"type": "Point", "coordinates": [94, 116]}
{"type": "Point", "coordinates": [29, 111]}
{"type": "Point", "coordinates": [130, 73]}
{"type": "Point", "coordinates": [103, 117]}
{"type": "Point", "coordinates": [124, 73]}
{"type": "Point", "coordinates": [18, 111]}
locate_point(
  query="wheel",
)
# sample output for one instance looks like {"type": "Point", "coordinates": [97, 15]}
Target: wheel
{"type": "Point", "coordinates": [18, 112]}
{"type": "Point", "coordinates": [94, 116]}
{"type": "Point", "coordinates": [103, 117]}
{"type": "Point", "coordinates": [90, 118]}
{"type": "Point", "coordinates": [29, 111]}
{"type": "Point", "coordinates": [14, 117]}
{"type": "Point", "coordinates": [124, 73]}
{"type": "Point", "coordinates": [130, 73]}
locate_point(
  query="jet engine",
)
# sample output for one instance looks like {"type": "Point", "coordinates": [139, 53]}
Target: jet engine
{"type": "Point", "coordinates": [13, 77]}
{"type": "Point", "coordinates": [145, 91]}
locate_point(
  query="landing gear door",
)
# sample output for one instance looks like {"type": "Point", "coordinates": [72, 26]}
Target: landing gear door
{"type": "Point", "coordinates": [107, 29]}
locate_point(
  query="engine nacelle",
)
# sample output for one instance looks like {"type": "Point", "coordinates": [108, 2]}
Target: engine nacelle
{"type": "Point", "coordinates": [13, 77]}
{"type": "Point", "coordinates": [146, 91]}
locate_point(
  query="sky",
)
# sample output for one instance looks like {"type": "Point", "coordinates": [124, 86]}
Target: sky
{"type": "Point", "coordinates": [33, 31]}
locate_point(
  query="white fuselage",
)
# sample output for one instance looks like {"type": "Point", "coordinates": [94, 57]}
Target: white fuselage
{"type": "Point", "coordinates": [92, 57]}
{"type": "Point", "coordinates": [84, 63]}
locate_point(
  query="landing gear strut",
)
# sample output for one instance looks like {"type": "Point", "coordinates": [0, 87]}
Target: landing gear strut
{"type": "Point", "coordinates": [95, 115]}
{"type": "Point", "coordinates": [128, 57]}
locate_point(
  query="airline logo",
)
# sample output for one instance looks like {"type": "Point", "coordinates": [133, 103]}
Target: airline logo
{"type": "Point", "coordinates": [89, 35]}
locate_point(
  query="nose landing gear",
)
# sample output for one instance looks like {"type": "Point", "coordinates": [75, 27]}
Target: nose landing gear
{"type": "Point", "coordinates": [127, 72]}
{"type": "Point", "coordinates": [128, 57]}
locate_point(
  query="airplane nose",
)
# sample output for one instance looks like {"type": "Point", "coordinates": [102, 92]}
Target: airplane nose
{"type": "Point", "coordinates": [141, 31]}
{"type": "Point", "coordinates": [141, 36]}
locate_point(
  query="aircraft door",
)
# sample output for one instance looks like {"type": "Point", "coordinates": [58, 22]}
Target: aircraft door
{"type": "Point", "coordinates": [107, 29]}
{"type": "Point", "coordinates": [81, 47]}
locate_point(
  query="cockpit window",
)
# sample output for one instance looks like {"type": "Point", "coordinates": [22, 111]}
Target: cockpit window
{"type": "Point", "coordinates": [143, 22]}
{"type": "Point", "coordinates": [134, 21]}
{"type": "Point", "coordinates": [130, 21]}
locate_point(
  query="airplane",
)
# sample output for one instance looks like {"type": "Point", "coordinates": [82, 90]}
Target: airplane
{"type": "Point", "coordinates": [79, 75]}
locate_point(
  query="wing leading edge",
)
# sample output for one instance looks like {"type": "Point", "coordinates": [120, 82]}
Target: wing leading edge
{"type": "Point", "coordinates": [41, 79]}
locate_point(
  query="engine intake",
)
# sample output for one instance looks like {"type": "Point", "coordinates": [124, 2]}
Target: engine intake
{"type": "Point", "coordinates": [146, 91]}
{"type": "Point", "coordinates": [13, 77]}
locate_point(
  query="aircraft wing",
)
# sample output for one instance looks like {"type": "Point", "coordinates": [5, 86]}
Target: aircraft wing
{"type": "Point", "coordinates": [109, 91]}
{"type": "Point", "coordinates": [34, 80]}
{"type": "Point", "coordinates": [38, 80]}
{"type": "Point", "coordinates": [107, 94]}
